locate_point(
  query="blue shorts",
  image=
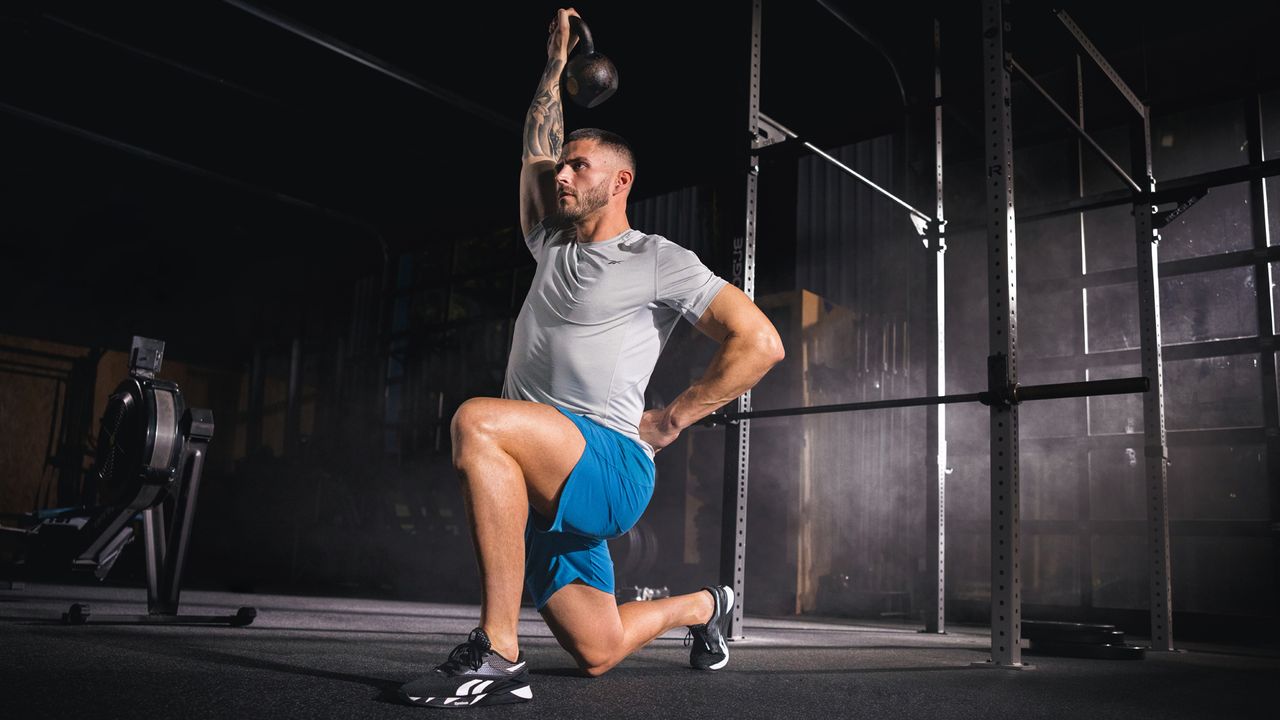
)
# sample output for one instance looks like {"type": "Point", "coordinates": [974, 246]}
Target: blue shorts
{"type": "Point", "coordinates": [605, 495]}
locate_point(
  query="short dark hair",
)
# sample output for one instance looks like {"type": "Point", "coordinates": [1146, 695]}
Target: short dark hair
{"type": "Point", "coordinates": [610, 139]}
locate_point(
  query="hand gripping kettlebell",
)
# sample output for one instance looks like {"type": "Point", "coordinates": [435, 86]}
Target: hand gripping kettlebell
{"type": "Point", "coordinates": [589, 77]}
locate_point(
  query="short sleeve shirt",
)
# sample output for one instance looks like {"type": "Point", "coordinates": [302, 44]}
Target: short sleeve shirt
{"type": "Point", "coordinates": [596, 319]}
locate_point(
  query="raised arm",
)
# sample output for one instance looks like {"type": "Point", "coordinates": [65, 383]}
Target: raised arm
{"type": "Point", "coordinates": [544, 131]}
{"type": "Point", "coordinates": [749, 347]}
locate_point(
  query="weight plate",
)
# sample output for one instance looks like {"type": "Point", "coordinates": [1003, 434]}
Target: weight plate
{"type": "Point", "coordinates": [1100, 652]}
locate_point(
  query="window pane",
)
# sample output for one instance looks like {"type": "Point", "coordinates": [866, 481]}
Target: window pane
{"type": "Point", "coordinates": [1198, 140]}
{"type": "Point", "coordinates": [1109, 240]}
{"type": "Point", "coordinates": [1275, 294]}
{"type": "Point", "coordinates": [1115, 414]}
{"type": "Point", "coordinates": [1216, 305]}
{"type": "Point", "coordinates": [1048, 249]}
{"type": "Point", "coordinates": [1273, 208]}
{"type": "Point", "coordinates": [1064, 417]}
{"type": "Point", "coordinates": [1271, 125]}
{"type": "Point", "coordinates": [1112, 312]}
{"type": "Point", "coordinates": [1049, 323]}
{"type": "Point", "coordinates": [1218, 392]}
{"type": "Point", "coordinates": [1220, 222]}
{"type": "Point", "coordinates": [1218, 482]}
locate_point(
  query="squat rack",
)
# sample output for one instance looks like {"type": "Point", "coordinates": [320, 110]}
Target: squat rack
{"type": "Point", "coordinates": [1003, 392]}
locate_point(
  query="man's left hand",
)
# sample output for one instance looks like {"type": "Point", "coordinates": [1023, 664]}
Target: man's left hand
{"type": "Point", "coordinates": [657, 429]}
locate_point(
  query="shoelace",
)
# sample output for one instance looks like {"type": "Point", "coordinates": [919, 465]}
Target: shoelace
{"type": "Point", "coordinates": [469, 654]}
{"type": "Point", "coordinates": [688, 635]}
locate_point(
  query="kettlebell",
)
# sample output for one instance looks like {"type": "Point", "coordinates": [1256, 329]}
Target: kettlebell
{"type": "Point", "coordinates": [589, 77]}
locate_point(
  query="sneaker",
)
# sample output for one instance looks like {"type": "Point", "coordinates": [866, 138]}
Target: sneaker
{"type": "Point", "coordinates": [710, 651]}
{"type": "Point", "coordinates": [473, 675]}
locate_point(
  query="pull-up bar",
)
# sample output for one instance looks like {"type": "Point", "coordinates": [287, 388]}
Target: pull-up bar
{"type": "Point", "coordinates": [1015, 394]}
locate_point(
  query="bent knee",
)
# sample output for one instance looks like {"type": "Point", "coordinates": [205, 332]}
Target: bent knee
{"type": "Point", "coordinates": [476, 418]}
{"type": "Point", "coordinates": [597, 667]}
{"type": "Point", "coordinates": [596, 661]}
{"type": "Point", "coordinates": [472, 415]}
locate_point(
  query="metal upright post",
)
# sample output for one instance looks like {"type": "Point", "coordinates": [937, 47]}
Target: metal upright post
{"type": "Point", "coordinates": [1148, 276]}
{"type": "Point", "coordinates": [1156, 443]}
{"type": "Point", "coordinates": [733, 529]}
{"type": "Point", "coordinates": [1006, 583]}
{"type": "Point", "coordinates": [1084, 504]}
{"type": "Point", "coordinates": [1263, 280]}
{"type": "Point", "coordinates": [936, 488]}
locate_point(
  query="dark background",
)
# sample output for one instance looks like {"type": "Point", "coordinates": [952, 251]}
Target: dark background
{"type": "Point", "coordinates": [199, 143]}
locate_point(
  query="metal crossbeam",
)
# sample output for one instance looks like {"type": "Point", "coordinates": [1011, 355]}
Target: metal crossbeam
{"type": "Point", "coordinates": [1174, 190]}
{"type": "Point", "coordinates": [1076, 126]}
{"type": "Point", "coordinates": [859, 176]}
{"type": "Point", "coordinates": [1092, 51]}
{"type": "Point", "coordinates": [866, 37]}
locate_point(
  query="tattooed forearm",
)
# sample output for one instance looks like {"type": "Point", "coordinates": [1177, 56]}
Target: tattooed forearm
{"type": "Point", "coordinates": [544, 123]}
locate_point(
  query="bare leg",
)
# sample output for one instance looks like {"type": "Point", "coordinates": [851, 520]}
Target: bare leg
{"type": "Point", "coordinates": [510, 454]}
{"type": "Point", "coordinates": [599, 633]}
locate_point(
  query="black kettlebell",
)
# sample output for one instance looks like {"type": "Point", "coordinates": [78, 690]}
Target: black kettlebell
{"type": "Point", "coordinates": [589, 77]}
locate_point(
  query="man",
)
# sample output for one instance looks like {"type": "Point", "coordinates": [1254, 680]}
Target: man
{"type": "Point", "coordinates": [564, 460]}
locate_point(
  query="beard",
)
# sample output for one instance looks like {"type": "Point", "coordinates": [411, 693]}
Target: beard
{"type": "Point", "coordinates": [588, 201]}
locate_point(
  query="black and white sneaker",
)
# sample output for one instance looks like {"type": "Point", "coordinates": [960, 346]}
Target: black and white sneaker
{"type": "Point", "coordinates": [710, 651]}
{"type": "Point", "coordinates": [473, 675]}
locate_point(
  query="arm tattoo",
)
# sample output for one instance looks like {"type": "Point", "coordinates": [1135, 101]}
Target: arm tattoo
{"type": "Point", "coordinates": [544, 123]}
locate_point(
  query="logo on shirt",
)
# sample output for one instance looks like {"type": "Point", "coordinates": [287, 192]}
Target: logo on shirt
{"type": "Point", "coordinates": [615, 262]}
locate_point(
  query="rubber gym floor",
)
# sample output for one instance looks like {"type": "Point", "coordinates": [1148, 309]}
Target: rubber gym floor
{"type": "Point", "coordinates": [315, 657]}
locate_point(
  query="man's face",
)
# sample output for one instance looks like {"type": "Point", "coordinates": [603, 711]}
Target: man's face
{"type": "Point", "coordinates": [583, 179]}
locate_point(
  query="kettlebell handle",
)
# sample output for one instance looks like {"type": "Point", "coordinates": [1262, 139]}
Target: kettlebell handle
{"type": "Point", "coordinates": [579, 28]}
{"type": "Point", "coordinates": [589, 77]}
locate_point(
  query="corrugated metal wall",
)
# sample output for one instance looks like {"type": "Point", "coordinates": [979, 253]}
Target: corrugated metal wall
{"type": "Point", "coordinates": [856, 250]}
{"type": "Point", "coordinates": [680, 216]}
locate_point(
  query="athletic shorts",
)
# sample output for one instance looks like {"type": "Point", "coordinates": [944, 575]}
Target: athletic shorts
{"type": "Point", "coordinates": [605, 495]}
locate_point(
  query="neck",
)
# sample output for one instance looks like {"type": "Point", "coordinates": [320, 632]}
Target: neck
{"type": "Point", "coordinates": [601, 227]}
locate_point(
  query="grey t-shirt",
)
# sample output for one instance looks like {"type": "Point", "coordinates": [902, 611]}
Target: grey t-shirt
{"type": "Point", "coordinates": [596, 319]}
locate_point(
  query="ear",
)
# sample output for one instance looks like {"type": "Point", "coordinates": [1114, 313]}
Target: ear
{"type": "Point", "coordinates": [622, 181]}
